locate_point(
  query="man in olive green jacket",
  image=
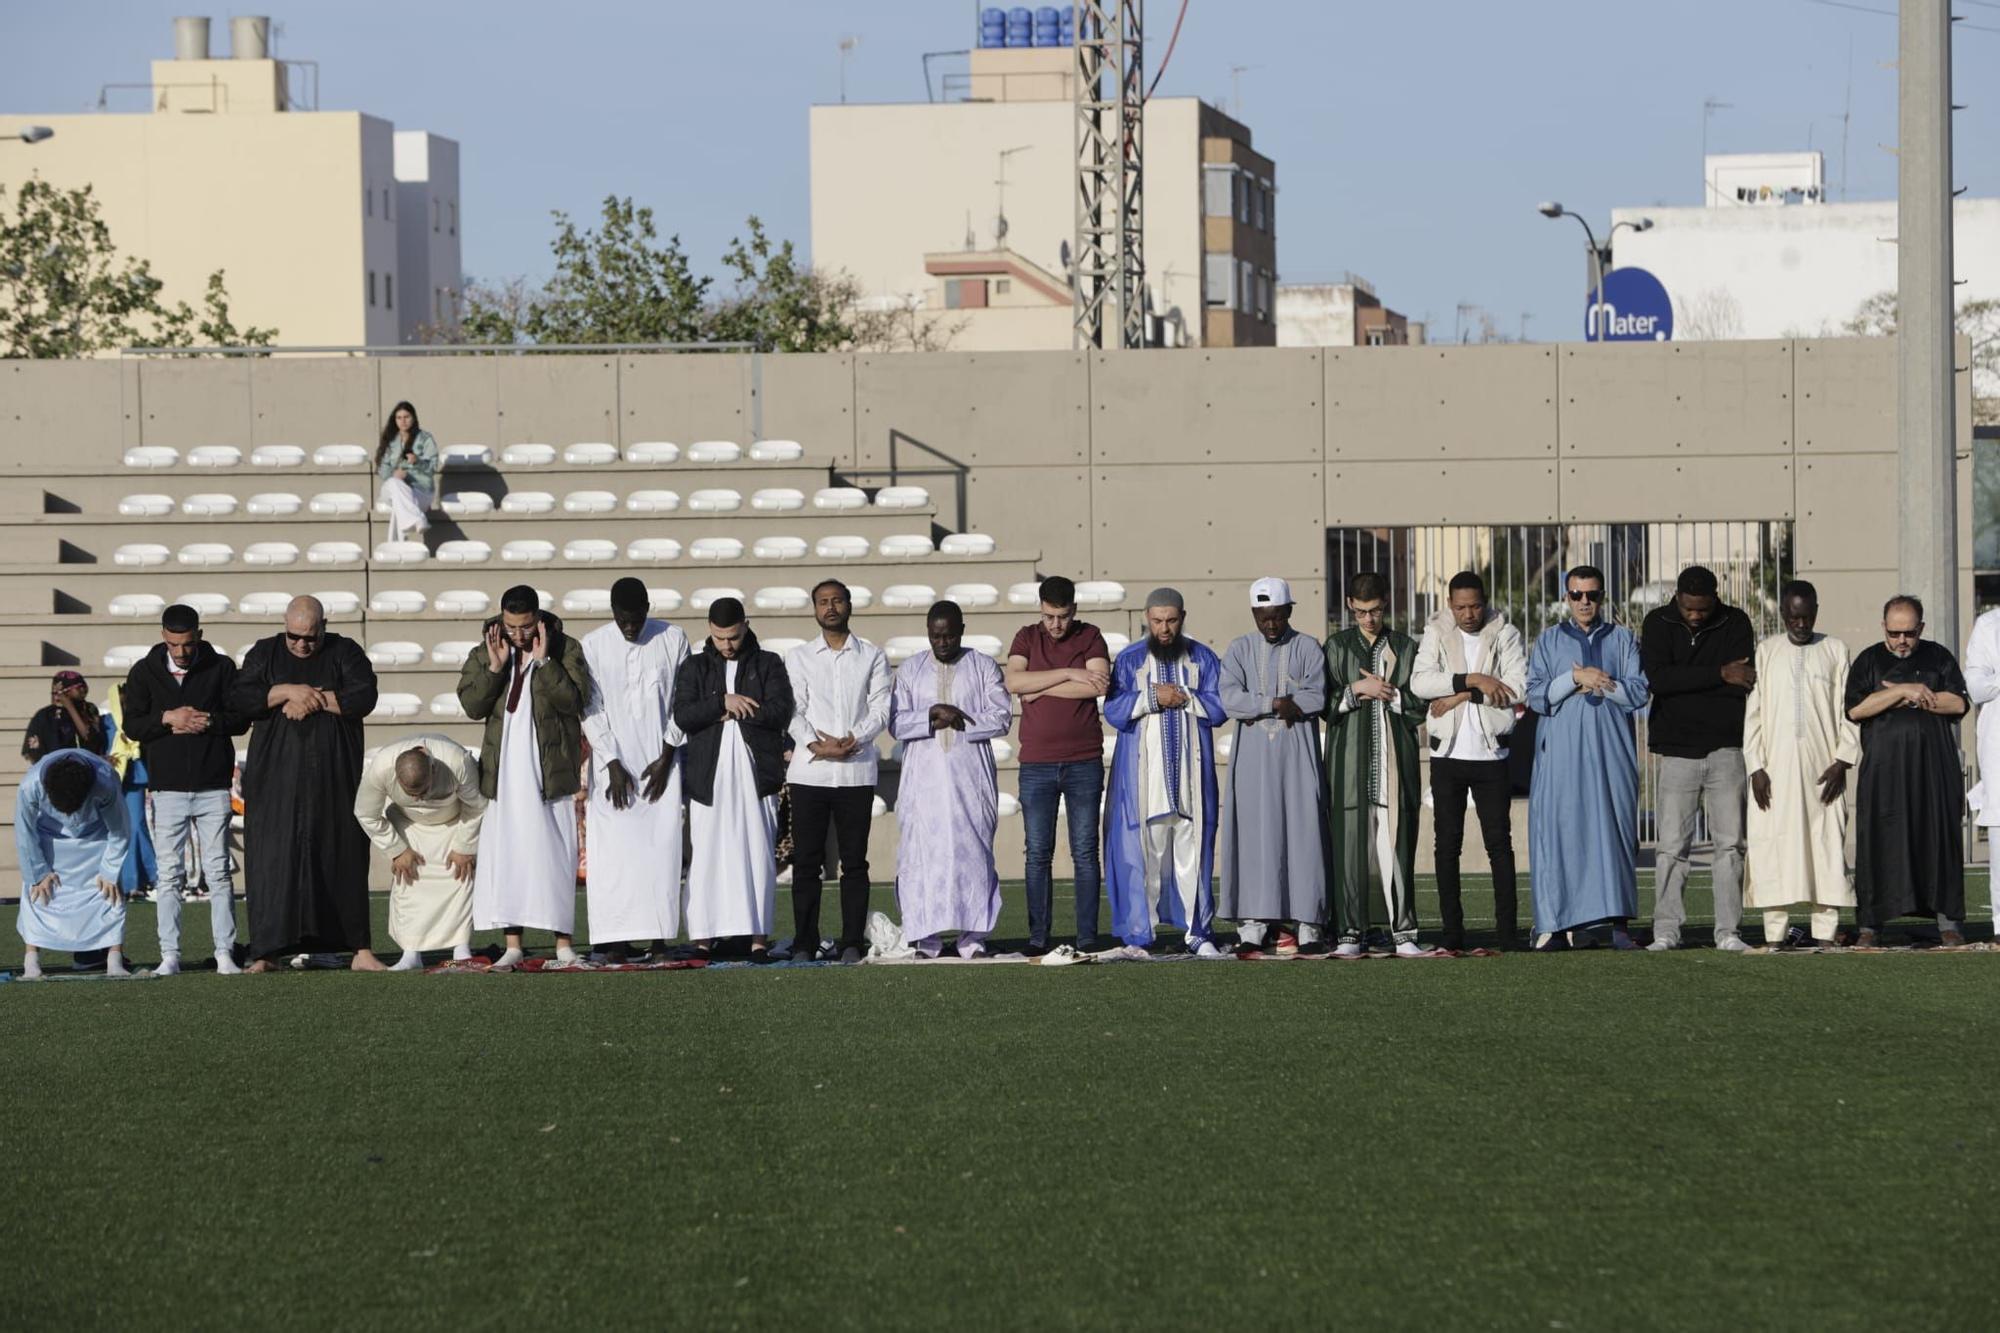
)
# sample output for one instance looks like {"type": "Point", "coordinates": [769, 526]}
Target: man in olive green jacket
{"type": "Point", "coordinates": [527, 681]}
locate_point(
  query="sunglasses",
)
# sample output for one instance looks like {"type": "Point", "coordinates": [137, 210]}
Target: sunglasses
{"type": "Point", "coordinates": [1902, 633]}
{"type": "Point", "coordinates": [1588, 595]}
{"type": "Point", "coordinates": [302, 638]}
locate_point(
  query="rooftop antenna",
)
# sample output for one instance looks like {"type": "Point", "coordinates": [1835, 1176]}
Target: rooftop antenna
{"type": "Point", "coordinates": [1236, 73]}
{"type": "Point", "coordinates": [1846, 115]}
{"type": "Point", "coordinates": [1000, 223]}
{"type": "Point", "coordinates": [1709, 106]}
{"type": "Point", "coordinates": [847, 45]}
{"type": "Point", "coordinates": [971, 241]}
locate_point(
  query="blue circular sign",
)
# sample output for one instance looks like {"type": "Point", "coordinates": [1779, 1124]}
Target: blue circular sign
{"type": "Point", "coordinates": [1636, 309]}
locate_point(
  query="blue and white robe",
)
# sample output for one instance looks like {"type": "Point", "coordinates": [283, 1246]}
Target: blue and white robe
{"type": "Point", "coordinates": [78, 849]}
{"type": "Point", "coordinates": [1160, 809]}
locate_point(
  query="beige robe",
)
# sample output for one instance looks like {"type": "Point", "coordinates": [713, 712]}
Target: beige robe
{"type": "Point", "coordinates": [1794, 727]}
{"type": "Point", "coordinates": [436, 911]}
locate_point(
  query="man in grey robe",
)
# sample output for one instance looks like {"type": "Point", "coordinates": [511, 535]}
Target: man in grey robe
{"type": "Point", "coordinates": [1273, 859]}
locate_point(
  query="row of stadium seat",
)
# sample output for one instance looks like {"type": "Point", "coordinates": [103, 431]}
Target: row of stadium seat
{"type": "Point", "coordinates": [593, 453]}
{"type": "Point", "coordinates": [713, 500]}
{"type": "Point", "coordinates": [539, 551]}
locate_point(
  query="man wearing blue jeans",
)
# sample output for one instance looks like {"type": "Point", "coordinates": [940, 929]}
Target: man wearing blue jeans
{"type": "Point", "coordinates": [175, 708]}
{"type": "Point", "coordinates": [1060, 667]}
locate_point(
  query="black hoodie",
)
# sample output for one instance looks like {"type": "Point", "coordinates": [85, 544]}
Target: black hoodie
{"type": "Point", "coordinates": [1694, 712]}
{"type": "Point", "coordinates": [204, 762]}
{"type": "Point", "coordinates": [698, 689]}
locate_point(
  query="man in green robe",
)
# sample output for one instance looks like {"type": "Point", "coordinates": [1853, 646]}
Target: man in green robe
{"type": "Point", "coordinates": [1371, 767]}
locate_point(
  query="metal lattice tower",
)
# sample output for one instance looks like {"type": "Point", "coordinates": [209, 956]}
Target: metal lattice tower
{"type": "Point", "coordinates": [1107, 265]}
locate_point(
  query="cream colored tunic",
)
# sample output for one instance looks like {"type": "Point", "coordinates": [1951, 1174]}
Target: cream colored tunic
{"type": "Point", "coordinates": [1794, 728]}
{"type": "Point", "coordinates": [436, 911]}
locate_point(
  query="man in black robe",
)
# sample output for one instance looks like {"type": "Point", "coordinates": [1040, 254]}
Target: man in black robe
{"type": "Point", "coordinates": [1908, 695]}
{"type": "Point", "coordinates": [305, 859]}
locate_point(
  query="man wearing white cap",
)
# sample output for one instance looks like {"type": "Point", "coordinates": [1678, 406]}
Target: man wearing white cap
{"type": "Point", "coordinates": [1273, 853]}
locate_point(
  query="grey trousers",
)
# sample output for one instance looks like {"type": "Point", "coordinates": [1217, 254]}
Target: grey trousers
{"type": "Point", "coordinates": [207, 812]}
{"type": "Point", "coordinates": [1685, 785]}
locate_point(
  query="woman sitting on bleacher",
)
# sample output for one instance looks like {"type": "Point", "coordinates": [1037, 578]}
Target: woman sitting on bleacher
{"type": "Point", "coordinates": [406, 463]}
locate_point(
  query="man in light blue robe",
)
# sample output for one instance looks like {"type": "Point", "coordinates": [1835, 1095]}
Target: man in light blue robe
{"type": "Point", "coordinates": [1585, 682]}
{"type": "Point", "coordinates": [71, 835]}
{"type": "Point", "coordinates": [1159, 813]}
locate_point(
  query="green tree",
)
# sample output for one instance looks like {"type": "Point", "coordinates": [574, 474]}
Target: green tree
{"type": "Point", "coordinates": [1978, 322]}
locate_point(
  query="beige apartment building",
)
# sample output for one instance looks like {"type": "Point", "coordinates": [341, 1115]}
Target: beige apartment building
{"type": "Point", "coordinates": [965, 210]}
{"type": "Point", "coordinates": [332, 227]}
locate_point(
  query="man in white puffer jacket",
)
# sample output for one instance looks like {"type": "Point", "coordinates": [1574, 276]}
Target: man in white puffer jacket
{"type": "Point", "coordinates": [1472, 668]}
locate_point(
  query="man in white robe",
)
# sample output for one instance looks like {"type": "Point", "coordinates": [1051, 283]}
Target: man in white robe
{"type": "Point", "coordinates": [419, 803]}
{"type": "Point", "coordinates": [633, 872]}
{"type": "Point", "coordinates": [1798, 746]}
{"type": "Point", "coordinates": [1982, 677]}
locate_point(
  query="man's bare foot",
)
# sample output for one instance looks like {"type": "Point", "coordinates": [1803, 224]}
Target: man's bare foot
{"type": "Point", "coordinates": [261, 965]}
{"type": "Point", "coordinates": [366, 961]}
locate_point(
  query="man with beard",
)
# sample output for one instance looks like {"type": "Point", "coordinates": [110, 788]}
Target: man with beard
{"type": "Point", "coordinates": [634, 873]}
{"type": "Point", "coordinates": [733, 702]}
{"type": "Point", "coordinates": [1908, 695]}
{"type": "Point", "coordinates": [840, 697]}
{"type": "Point", "coordinates": [527, 681]}
{"type": "Point", "coordinates": [1160, 815]}
{"type": "Point", "coordinates": [1273, 819]}
{"type": "Point", "coordinates": [305, 860]}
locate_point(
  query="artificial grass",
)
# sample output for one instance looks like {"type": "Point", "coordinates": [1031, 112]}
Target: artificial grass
{"type": "Point", "coordinates": [1568, 1141]}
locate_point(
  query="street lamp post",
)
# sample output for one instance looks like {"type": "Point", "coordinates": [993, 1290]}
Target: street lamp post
{"type": "Point", "coordinates": [32, 134]}
{"type": "Point", "coordinates": [1592, 332]}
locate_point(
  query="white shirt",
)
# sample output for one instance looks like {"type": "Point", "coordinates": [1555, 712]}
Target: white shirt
{"type": "Point", "coordinates": [837, 693]}
{"type": "Point", "coordinates": [629, 713]}
{"type": "Point", "coordinates": [1470, 741]}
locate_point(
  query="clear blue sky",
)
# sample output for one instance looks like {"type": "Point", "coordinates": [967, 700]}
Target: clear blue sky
{"type": "Point", "coordinates": [1413, 138]}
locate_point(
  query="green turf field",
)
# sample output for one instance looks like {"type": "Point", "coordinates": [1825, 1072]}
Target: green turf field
{"type": "Point", "coordinates": [1575, 1141]}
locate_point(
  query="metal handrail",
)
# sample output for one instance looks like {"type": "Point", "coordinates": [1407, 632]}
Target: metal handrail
{"type": "Point", "coordinates": [958, 471]}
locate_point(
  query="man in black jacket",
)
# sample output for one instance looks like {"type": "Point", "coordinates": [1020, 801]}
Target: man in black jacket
{"type": "Point", "coordinates": [733, 701]}
{"type": "Point", "coordinates": [1697, 655]}
{"type": "Point", "coordinates": [176, 708]}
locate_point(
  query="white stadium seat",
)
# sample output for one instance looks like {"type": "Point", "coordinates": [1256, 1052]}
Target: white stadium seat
{"type": "Point", "coordinates": [783, 599]}
{"type": "Point", "coordinates": [983, 643]}
{"type": "Point", "coordinates": [277, 455]}
{"type": "Point", "coordinates": [335, 553]}
{"type": "Point", "coordinates": [545, 599]}
{"type": "Point", "coordinates": [463, 602]}
{"type": "Point", "coordinates": [214, 455]}
{"type": "Point", "coordinates": [1117, 642]}
{"type": "Point", "coordinates": [653, 502]}
{"type": "Point", "coordinates": [1003, 749]}
{"type": "Point", "coordinates": [452, 652]}
{"type": "Point", "coordinates": [397, 705]}
{"type": "Point", "coordinates": [842, 548]}
{"type": "Point", "coordinates": [146, 506]}
{"type": "Point", "coordinates": [206, 553]}
{"type": "Point", "coordinates": [152, 457]}
{"type": "Point", "coordinates": [137, 604]}
{"type": "Point", "coordinates": [580, 601]}
{"type": "Point", "coordinates": [840, 497]}
{"type": "Point", "coordinates": [973, 596]}
{"type": "Point", "coordinates": [446, 704]}
{"type": "Point", "coordinates": [202, 603]}
{"type": "Point", "coordinates": [401, 553]}
{"type": "Point", "coordinates": [339, 603]}
{"type": "Point", "coordinates": [968, 543]}
{"type": "Point", "coordinates": [1222, 741]}
{"type": "Point", "coordinates": [877, 807]}
{"type": "Point", "coordinates": [591, 551]}
{"type": "Point", "coordinates": [653, 550]}
{"type": "Point", "coordinates": [716, 548]}
{"type": "Point", "coordinates": [124, 655]}
{"type": "Point", "coordinates": [340, 455]}
{"type": "Point", "coordinates": [1024, 594]}
{"type": "Point", "coordinates": [140, 555]}
{"type": "Point", "coordinates": [863, 598]}
{"type": "Point", "coordinates": [464, 551]}
{"type": "Point", "coordinates": [212, 504]}
{"type": "Point", "coordinates": [777, 451]}
{"type": "Point", "coordinates": [909, 596]}
{"type": "Point", "coordinates": [702, 598]}
{"type": "Point", "coordinates": [528, 455]}
{"type": "Point", "coordinates": [395, 653]}
{"type": "Point", "coordinates": [1009, 805]}
{"type": "Point", "coordinates": [779, 548]}
{"type": "Point", "coordinates": [589, 502]}
{"type": "Point", "coordinates": [263, 603]}
{"type": "Point", "coordinates": [462, 504]}
{"type": "Point", "coordinates": [468, 455]}
{"type": "Point", "coordinates": [902, 497]}
{"type": "Point", "coordinates": [273, 504]}
{"type": "Point", "coordinates": [590, 453]}
{"type": "Point", "coordinates": [902, 647]}
{"type": "Point", "coordinates": [663, 600]}
{"type": "Point", "coordinates": [527, 502]}
{"type": "Point", "coordinates": [782, 647]}
{"type": "Point", "coordinates": [906, 546]}
{"type": "Point", "coordinates": [270, 553]}
{"type": "Point", "coordinates": [714, 451]}
{"type": "Point", "coordinates": [716, 500]}
{"type": "Point", "coordinates": [652, 451]}
{"type": "Point", "coordinates": [1100, 595]}
{"type": "Point", "coordinates": [343, 503]}
{"type": "Point", "coordinates": [528, 551]}
{"type": "Point", "coordinates": [778, 499]}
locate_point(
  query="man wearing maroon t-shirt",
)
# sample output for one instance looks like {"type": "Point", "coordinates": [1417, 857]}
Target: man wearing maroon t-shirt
{"type": "Point", "coordinates": [1060, 667]}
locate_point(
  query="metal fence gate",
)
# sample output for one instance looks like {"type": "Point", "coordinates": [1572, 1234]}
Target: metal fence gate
{"type": "Point", "coordinates": [1523, 565]}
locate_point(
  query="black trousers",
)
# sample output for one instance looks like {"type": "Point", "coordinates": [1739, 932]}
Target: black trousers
{"type": "Point", "coordinates": [846, 810]}
{"type": "Point", "coordinates": [1492, 796]}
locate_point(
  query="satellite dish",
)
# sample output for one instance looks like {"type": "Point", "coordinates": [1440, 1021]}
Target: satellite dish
{"type": "Point", "coordinates": [1065, 256]}
{"type": "Point", "coordinates": [1000, 229]}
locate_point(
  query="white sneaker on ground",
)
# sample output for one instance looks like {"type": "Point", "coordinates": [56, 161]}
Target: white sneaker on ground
{"type": "Point", "coordinates": [508, 961]}
{"type": "Point", "coordinates": [1207, 949]}
{"type": "Point", "coordinates": [1410, 949]}
{"type": "Point", "coordinates": [1732, 944]}
{"type": "Point", "coordinates": [411, 961]}
{"type": "Point", "coordinates": [1348, 949]}
{"type": "Point", "coordinates": [170, 965]}
{"type": "Point", "coordinates": [1662, 946]}
{"type": "Point", "coordinates": [225, 965]}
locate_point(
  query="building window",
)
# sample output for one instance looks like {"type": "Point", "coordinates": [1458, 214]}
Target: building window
{"type": "Point", "coordinates": [1378, 337]}
{"type": "Point", "coordinates": [1219, 281]}
{"type": "Point", "coordinates": [386, 213]}
{"type": "Point", "coordinates": [1243, 199]}
{"type": "Point", "coordinates": [451, 216]}
{"type": "Point", "coordinates": [434, 215]}
{"type": "Point", "coordinates": [1246, 286]}
{"type": "Point", "coordinates": [965, 293]}
{"type": "Point", "coordinates": [371, 286]}
{"type": "Point", "coordinates": [1215, 190]}
{"type": "Point", "coordinates": [1264, 296]}
{"type": "Point", "coordinates": [389, 290]}
{"type": "Point", "coordinates": [1001, 286]}
{"type": "Point", "coordinates": [437, 305]}
{"type": "Point", "coordinates": [1257, 206]}
{"type": "Point", "coordinates": [368, 200]}
{"type": "Point", "coordinates": [1271, 209]}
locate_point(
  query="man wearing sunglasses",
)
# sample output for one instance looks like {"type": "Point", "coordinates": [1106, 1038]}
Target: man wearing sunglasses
{"type": "Point", "coordinates": [1586, 682]}
{"type": "Point", "coordinates": [1908, 695]}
